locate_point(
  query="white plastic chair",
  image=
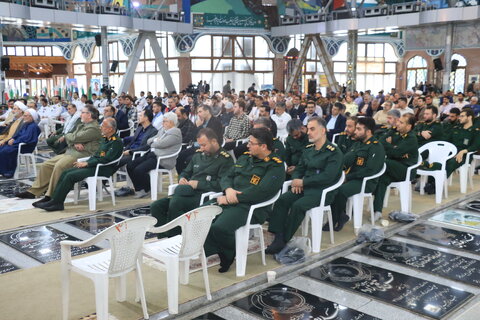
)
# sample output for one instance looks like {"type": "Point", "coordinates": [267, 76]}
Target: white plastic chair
{"type": "Point", "coordinates": [126, 239]}
{"type": "Point", "coordinates": [355, 202]}
{"type": "Point", "coordinates": [316, 215]}
{"type": "Point", "coordinates": [156, 175]}
{"type": "Point", "coordinates": [440, 152]}
{"type": "Point", "coordinates": [205, 195]}
{"type": "Point", "coordinates": [131, 128]}
{"type": "Point", "coordinates": [405, 189]}
{"type": "Point", "coordinates": [466, 172]}
{"type": "Point", "coordinates": [95, 186]}
{"type": "Point", "coordinates": [242, 235]}
{"type": "Point", "coordinates": [175, 253]}
{"type": "Point", "coordinates": [335, 137]}
{"type": "Point", "coordinates": [28, 159]}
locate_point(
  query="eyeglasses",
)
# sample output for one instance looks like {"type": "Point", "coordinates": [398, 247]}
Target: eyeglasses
{"type": "Point", "coordinates": [85, 112]}
{"type": "Point", "coordinates": [253, 143]}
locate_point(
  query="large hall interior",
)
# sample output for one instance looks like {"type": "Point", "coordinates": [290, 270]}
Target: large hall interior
{"type": "Point", "coordinates": [239, 159]}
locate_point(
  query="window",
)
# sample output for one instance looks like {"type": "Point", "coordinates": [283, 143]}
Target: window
{"type": "Point", "coordinates": [457, 77]}
{"type": "Point", "coordinates": [416, 71]}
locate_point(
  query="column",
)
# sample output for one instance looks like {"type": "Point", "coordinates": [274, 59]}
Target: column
{"type": "Point", "coordinates": [448, 57]}
{"type": "Point", "coordinates": [105, 57]}
{"type": "Point", "coordinates": [279, 72]}
{"type": "Point", "coordinates": [185, 70]}
{"type": "Point", "coordinates": [2, 73]}
{"type": "Point", "coordinates": [352, 60]}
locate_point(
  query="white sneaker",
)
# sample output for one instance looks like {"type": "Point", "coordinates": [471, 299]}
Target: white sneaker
{"type": "Point", "coordinates": [141, 194]}
{"type": "Point", "coordinates": [377, 216]}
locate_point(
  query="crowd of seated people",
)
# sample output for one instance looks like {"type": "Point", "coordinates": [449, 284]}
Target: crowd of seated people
{"type": "Point", "coordinates": [246, 145]}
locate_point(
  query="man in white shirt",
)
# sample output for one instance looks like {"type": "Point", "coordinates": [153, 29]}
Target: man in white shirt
{"type": "Point", "coordinates": [96, 101]}
{"type": "Point", "coordinates": [254, 113]}
{"type": "Point", "coordinates": [48, 114]}
{"type": "Point", "coordinates": [402, 106]}
{"type": "Point", "coordinates": [281, 118]}
{"type": "Point", "coordinates": [141, 102]}
{"type": "Point", "coordinates": [460, 101]}
{"type": "Point", "coordinates": [157, 121]}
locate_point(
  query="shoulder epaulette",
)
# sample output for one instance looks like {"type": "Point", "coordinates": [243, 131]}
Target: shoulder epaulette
{"type": "Point", "coordinates": [376, 141]}
{"type": "Point", "coordinates": [275, 138]}
{"type": "Point", "coordinates": [330, 147]}
{"type": "Point", "coordinates": [384, 127]}
{"type": "Point", "coordinates": [343, 133]}
{"type": "Point", "coordinates": [309, 145]}
{"type": "Point", "coordinates": [198, 150]}
{"type": "Point", "coordinates": [247, 152]}
{"type": "Point", "coordinates": [277, 159]}
{"type": "Point", "coordinates": [394, 127]}
{"type": "Point", "coordinates": [225, 154]}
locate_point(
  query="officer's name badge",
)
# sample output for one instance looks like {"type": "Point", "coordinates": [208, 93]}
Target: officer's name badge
{"type": "Point", "coordinates": [360, 161]}
{"type": "Point", "coordinates": [255, 179]}
{"type": "Point", "coordinates": [102, 154]}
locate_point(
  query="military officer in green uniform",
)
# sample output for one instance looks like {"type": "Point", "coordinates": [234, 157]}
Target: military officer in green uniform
{"type": "Point", "coordinates": [465, 137]}
{"type": "Point", "coordinates": [401, 148]}
{"type": "Point", "coordinates": [392, 119]}
{"type": "Point", "coordinates": [319, 167]}
{"type": "Point", "coordinates": [452, 121]}
{"type": "Point", "coordinates": [295, 144]}
{"type": "Point", "coordinates": [278, 147]}
{"type": "Point", "coordinates": [111, 148]}
{"type": "Point", "coordinates": [203, 174]}
{"type": "Point", "coordinates": [346, 139]}
{"type": "Point", "coordinates": [365, 159]}
{"type": "Point", "coordinates": [255, 177]}
{"type": "Point", "coordinates": [430, 129]}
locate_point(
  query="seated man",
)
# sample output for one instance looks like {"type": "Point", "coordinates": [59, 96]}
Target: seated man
{"type": "Point", "coordinates": [401, 148]}
{"type": "Point", "coordinates": [336, 120]}
{"type": "Point", "coordinates": [83, 142]}
{"type": "Point", "coordinates": [110, 150]}
{"type": "Point", "coordinates": [391, 126]}
{"type": "Point", "coordinates": [121, 118]}
{"type": "Point", "coordinates": [13, 127]}
{"type": "Point", "coordinates": [309, 112]}
{"type": "Point", "coordinates": [320, 166]}
{"type": "Point", "coordinates": [209, 164]}
{"type": "Point", "coordinates": [346, 139]}
{"type": "Point", "coordinates": [256, 177]}
{"type": "Point", "coordinates": [295, 144]}
{"type": "Point", "coordinates": [278, 147]}
{"type": "Point", "coordinates": [27, 134]}
{"type": "Point", "coordinates": [57, 140]}
{"type": "Point", "coordinates": [365, 159]}
{"type": "Point", "coordinates": [452, 121]}
{"type": "Point", "coordinates": [167, 141]}
{"type": "Point", "coordinates": [430, 129]}
{"type": "Point", "coordinates": [465, 137]}
{"type": "Point", "coordinates": [238, 127]}
{"type": "Point", "coordinates": [185, 125]}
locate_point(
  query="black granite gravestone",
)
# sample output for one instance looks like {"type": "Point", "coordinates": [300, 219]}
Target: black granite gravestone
{"type": "Point", "coordinates": [209, 316]}
{"type": "Point", "coordinates": [458, 217]}
{"type": "Point", "coordinates": [42, 243]}
{"type": "Point", "coordinates": [7, 266]}
{"type": "Point", "coordinates": [446, 237]}
{"type": "Point", "coordinates": [433, 261]}
{"type": "Point", "coordinates": [9, 188]}
{"type": "Point", "coordinates": [130, 213]}
{"type": "Point", "coordinates": [414, 294]}
{"type": "Point", "coordinates": [284, 302]}
{"type": "Point", "coordinates": [95, 224]}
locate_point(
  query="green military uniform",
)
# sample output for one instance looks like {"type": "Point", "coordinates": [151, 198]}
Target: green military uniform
{"type": "Point", "coordinates": [278, 148]}
{"type": "Point", "coordinates": [401, 153]}
{"type": "Point", "coordinates": [110, 150]}
{"type": "Point", "coordinates": [435, 127]}
{"type": "Point", "coordinates": [448, 125]}
{"type": "Point", "coordinates": [59, 147]}
{"type": "Point", "coordinates": [345, 142]}
{"type": "Point", "coordinates": [384, 131]}
{"type": "Point", "coordinates": [207, 170]}
{"type": "Point", "coordinates": [462, 139]}
{"type": "Point", "coordinates": [258, 180]}
{"type": "Point", "coordinates": [476, 122]}
{"type": "Point", "coordinates": [294, 149]}
{"type": "Point", "coordinates": [318, 169]}
{"type": "Point", "coordinates": [365, 159]}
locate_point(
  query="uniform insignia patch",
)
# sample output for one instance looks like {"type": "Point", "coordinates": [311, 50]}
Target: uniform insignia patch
{"type": "Point", "coordinates": [405, 156]}
{"type": "Point", "coordinates": [225, 154]}
{"type": "Point", "coordinates": [266, 159]}
{"type": "Point", "coordinates": [360, 161]}
{"type": "Point", "coordinates": [255, 179]}
{"type": "Point", "coordinates": [198, 150]}
{"type": "Point", "coordinates": [277, 160]}
{"type": "Point", "coordinates": [368, 142]}
{"type": "Point", "coordinates": [310, 145]}
{"type": "Point", "coordinates": [102, 154]}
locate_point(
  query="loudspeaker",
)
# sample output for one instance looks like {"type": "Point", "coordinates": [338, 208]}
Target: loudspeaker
{"type": "Point", "coordinates": [5, 62]}
{"type": "Point", "coordinates": [438, 64]}
{"type": "Point", "coordinates": [454, 64]}
{"type": "Point", "coordinates": [312, 86]}
{"type": "Point", "coordinates": [114, 66]}
{"type": "Point", "coordinates": [98, 40]}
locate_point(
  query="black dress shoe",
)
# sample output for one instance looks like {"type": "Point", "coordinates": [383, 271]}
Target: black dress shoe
{"type": "Point", "coordinates": [224, 263]}
{"type": "Point", "coordinates": [37, 204]}
{"type": "Point", "coordinates": [341, 222]}
{"type": "Point", "coordinates": [277, 245]}
{"type": "Point", "coordinates": [43, 205]}
{"type": "Point", "coordinates": [25, 195]}
{"type": "Point", "coordinates": [54, 207]}
{"type": "Point", "coordinates": [326, 227]}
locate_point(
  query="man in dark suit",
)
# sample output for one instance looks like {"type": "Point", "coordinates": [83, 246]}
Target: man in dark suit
{"type": "Point", "coordinates": [336, 121]}
{"type": "Point", "coordinates": [297, 109]}
{"type": "Point", "coordinates": [121, 118]}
